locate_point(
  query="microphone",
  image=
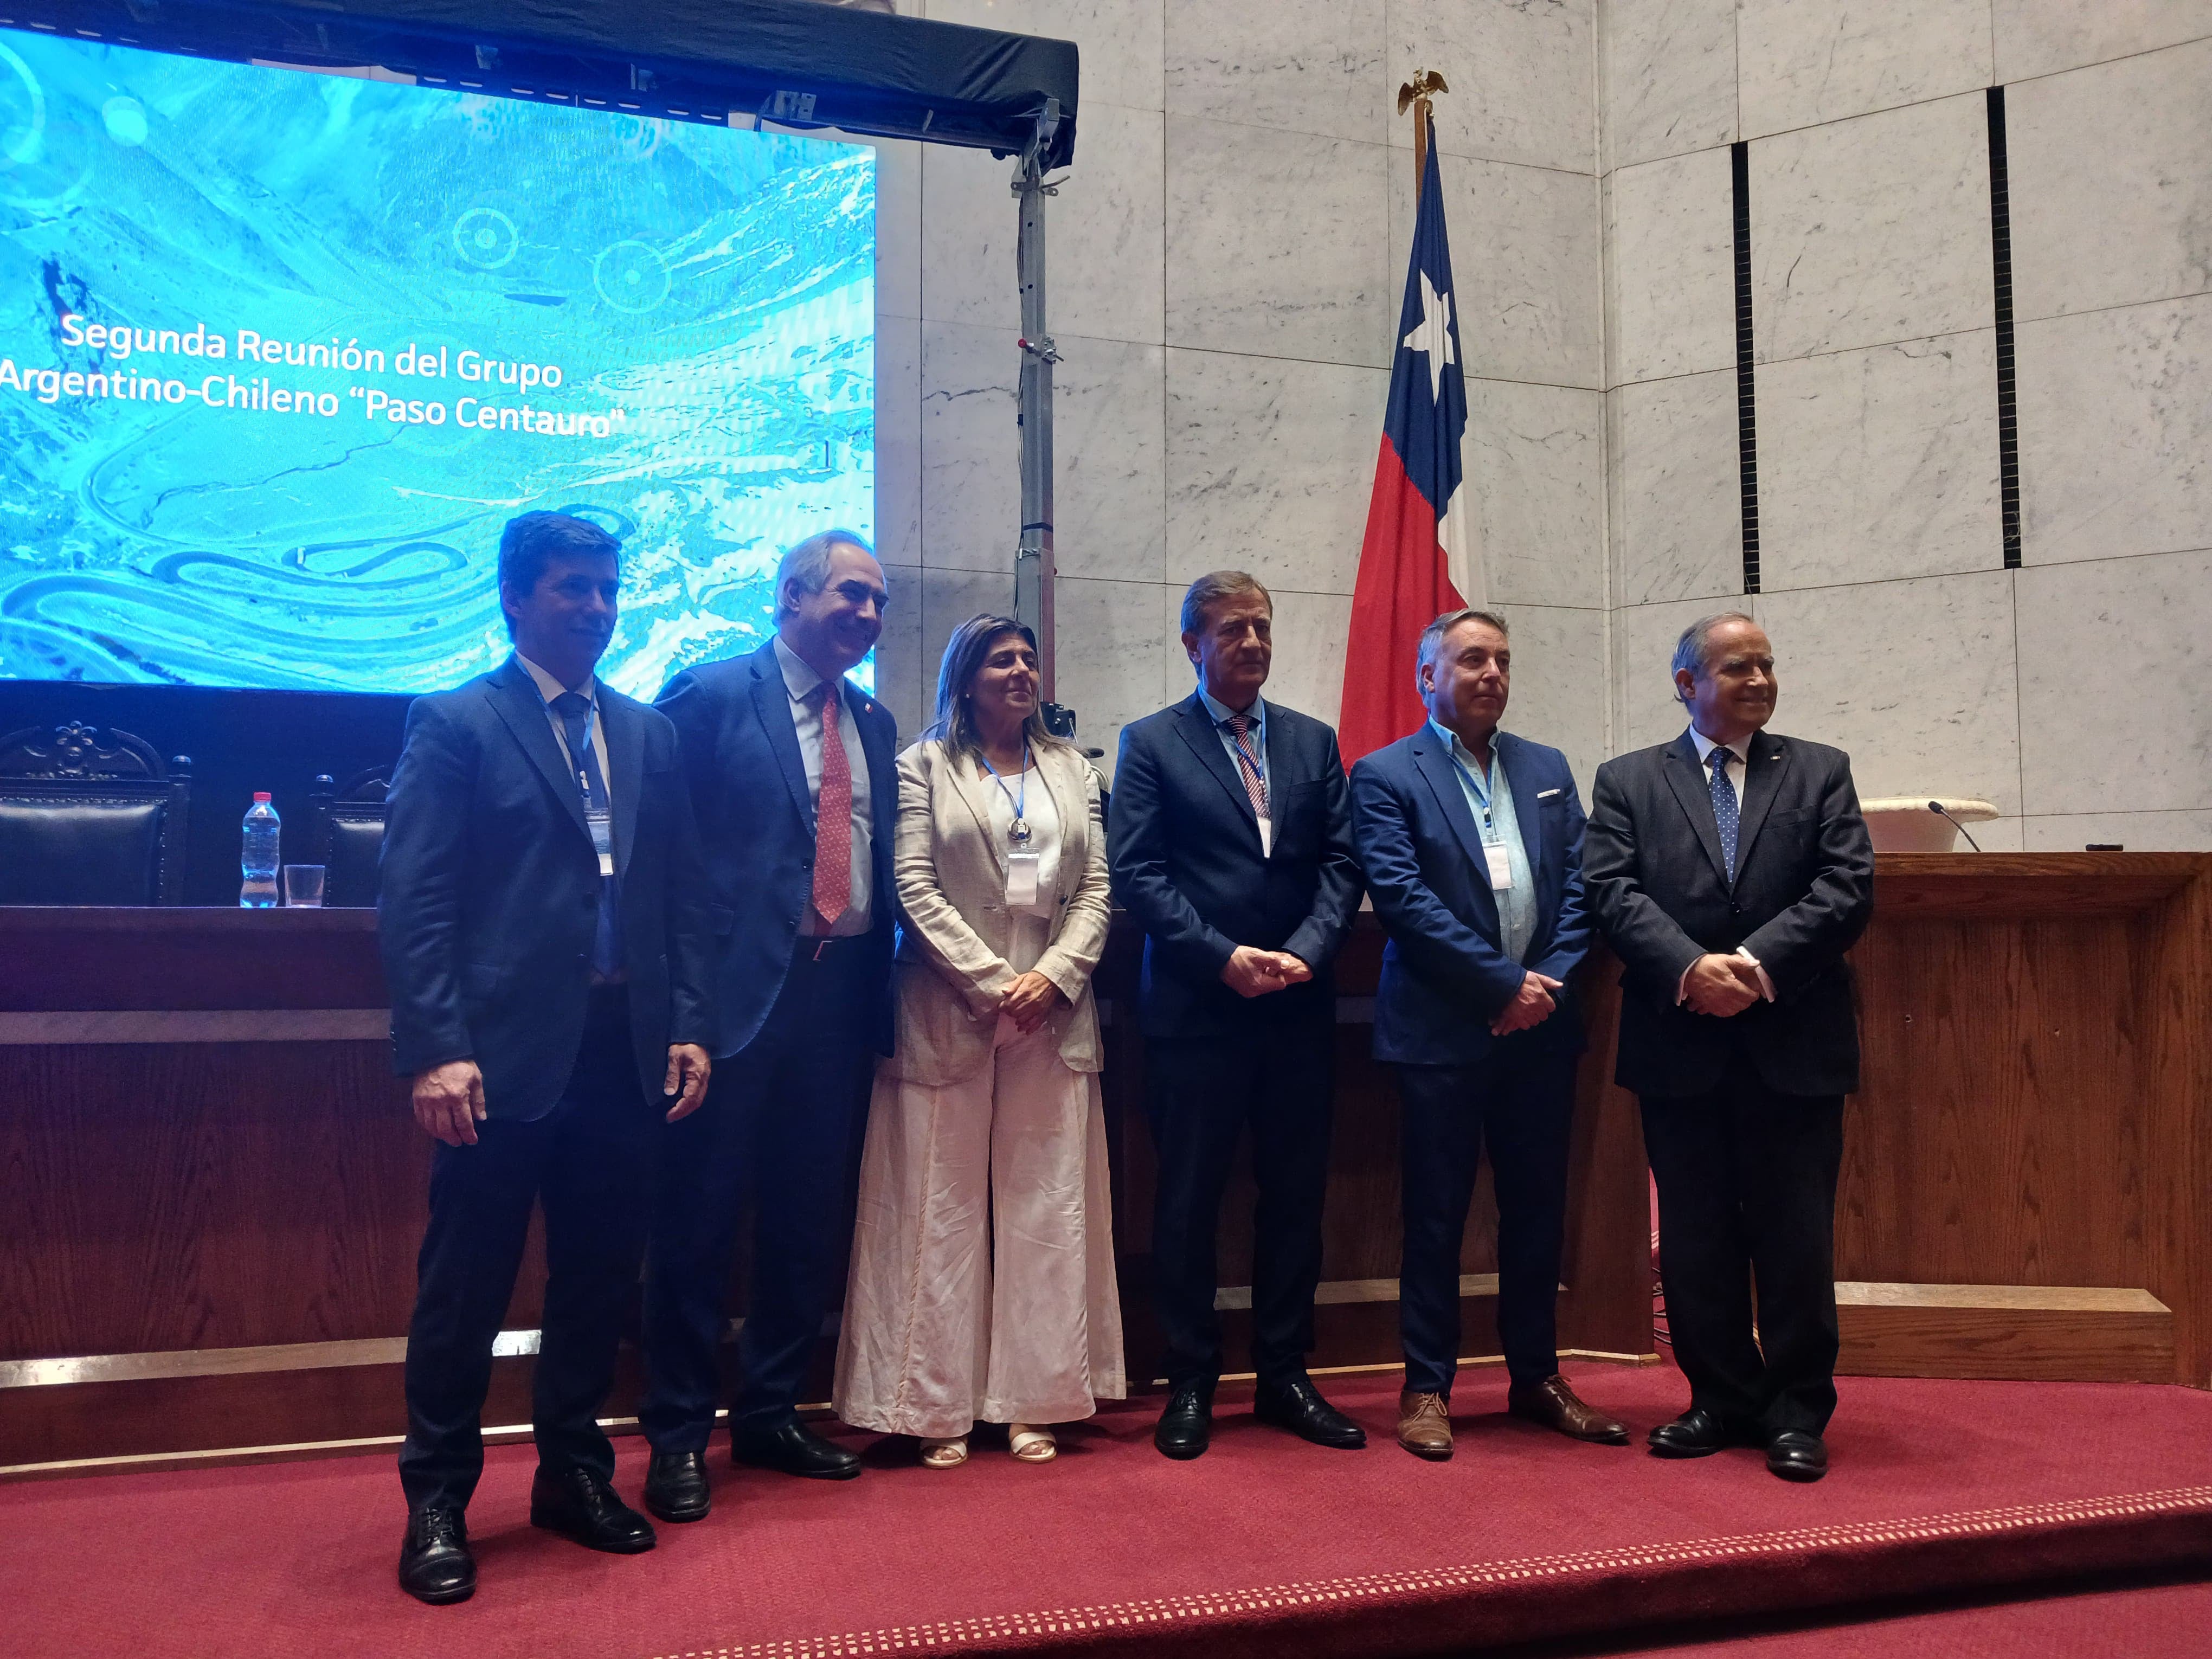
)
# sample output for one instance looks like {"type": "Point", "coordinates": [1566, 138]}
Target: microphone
{"type": "Point", "coordinates": [1937, 807]}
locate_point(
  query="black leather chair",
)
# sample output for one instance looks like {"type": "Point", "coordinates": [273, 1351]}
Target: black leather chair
{"type": "Point", "coordinates": [88, 817]}
{"type": "Point", "coordinates": [347, 829]}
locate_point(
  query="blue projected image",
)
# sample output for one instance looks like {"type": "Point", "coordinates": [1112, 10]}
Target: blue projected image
{"type": "Point", "coordinates": [280, 351]}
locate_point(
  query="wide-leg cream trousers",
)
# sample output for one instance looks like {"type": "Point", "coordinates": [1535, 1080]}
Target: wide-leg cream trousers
{"type": "Point", "coordinates": [982, 1282]}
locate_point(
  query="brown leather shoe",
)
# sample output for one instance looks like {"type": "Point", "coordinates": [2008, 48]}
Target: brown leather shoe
{"type": "Point", "coordinates": [1554, 1405]}
{"type": "Point", "coordinates": [1424, 1426]}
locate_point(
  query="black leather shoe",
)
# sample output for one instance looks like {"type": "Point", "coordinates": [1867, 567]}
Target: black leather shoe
{"type": "Point", "coordinates": [1796, 1455]}
{"type": "Point", "coordinates": [675, 1486]}
{"type": "Point", "coordinates": [794, 1449]}
{"type": "Point", "coordinates": [1696, 1433]}
{"type": "Point", "coordinates": [581, 1503]}
{"type": "Point", "coordinates": [434, 1563]}
{"type": "Point", "coordinates": [1186, 1425]}
{"type": "Point", "coordinates": [1297, 1406]}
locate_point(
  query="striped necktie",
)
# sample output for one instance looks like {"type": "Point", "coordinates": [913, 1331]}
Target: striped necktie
{"type": "Point", "coordinates": [1248, 764]}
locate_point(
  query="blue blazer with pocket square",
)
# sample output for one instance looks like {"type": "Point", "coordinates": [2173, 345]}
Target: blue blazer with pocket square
{"type": "Point", "coordinates": [1445, 973]}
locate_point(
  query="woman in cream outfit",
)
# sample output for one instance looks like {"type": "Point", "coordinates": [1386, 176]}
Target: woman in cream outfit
{"type": "Point", "coordinates": [983, 1281]}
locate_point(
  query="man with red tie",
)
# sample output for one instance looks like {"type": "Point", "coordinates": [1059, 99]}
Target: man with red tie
{"type": "Point", "coordinates": [790, 768]}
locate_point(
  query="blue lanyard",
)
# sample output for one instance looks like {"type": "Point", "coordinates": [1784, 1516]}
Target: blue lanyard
{"type": "Point", "coordinates": [1480, 784]}
{"type": "Point", "coordinates": [1018, 834]}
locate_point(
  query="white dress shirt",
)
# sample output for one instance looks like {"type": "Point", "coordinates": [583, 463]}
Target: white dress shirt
{"type": "Point", "coordinates": [800, 680]}
{"type": "Point", "coordinates": [1738, 763]}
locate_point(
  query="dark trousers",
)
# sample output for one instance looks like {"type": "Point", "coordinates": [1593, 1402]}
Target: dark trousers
{"type": "Point", "coordinates": [589, 1162]}
{"type": "Point", "coordinates": [1520, 1098]}
{"type": "Point", "coordinates": [781, 1121]}
{"type": "Point", "coordinates": [1201, 1092]}
{"type": "Point", "coordinates": [1748, 1187]}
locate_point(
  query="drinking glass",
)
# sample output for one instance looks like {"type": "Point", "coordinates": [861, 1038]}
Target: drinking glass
{"type": "Point", "coordinates": [303, 884]}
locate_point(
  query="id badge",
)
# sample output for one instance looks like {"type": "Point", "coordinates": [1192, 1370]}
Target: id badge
{"type": "Point", "coordinates": [1501, 867]}
{"type": "Point", "coordinates": [603, 839]}
{"type": "Point", "coordinates": [1266, 838]}
{"type": "Point", "coordinates": [1022, 879]}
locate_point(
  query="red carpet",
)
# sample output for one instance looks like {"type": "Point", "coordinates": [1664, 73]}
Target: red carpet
{"type": "Point", "coordinates": [1265, 1545]}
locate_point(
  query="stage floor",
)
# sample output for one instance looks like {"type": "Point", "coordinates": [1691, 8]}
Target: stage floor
{"type": "Point", "coordinates": [1265, 1545]}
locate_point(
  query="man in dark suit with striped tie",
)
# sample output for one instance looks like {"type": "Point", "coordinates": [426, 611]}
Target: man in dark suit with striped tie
{"type": "Point", "coordinates": [543, 949]}
{"type": "Point", "coordinates": [1730, 870]}
{"type": "Point", "coordinates": [1231, 842]}
{"type": "Point", "coordinates": [791, 768]}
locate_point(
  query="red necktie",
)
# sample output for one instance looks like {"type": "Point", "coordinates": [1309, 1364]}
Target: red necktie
{"type": "Point", "coordinates": [1256, 787]}
{"type": "Point", "coordinates": [833, 817]}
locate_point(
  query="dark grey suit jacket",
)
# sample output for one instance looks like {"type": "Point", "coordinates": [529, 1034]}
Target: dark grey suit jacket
{"type": "Point", "coordinates": [1802, 893]}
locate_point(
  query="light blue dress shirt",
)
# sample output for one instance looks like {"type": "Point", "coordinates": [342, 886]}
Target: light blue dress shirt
{"type": "Point", "coordinates": [1256, 734]}
{"type": "Point", "coordinates": [1489, 799]}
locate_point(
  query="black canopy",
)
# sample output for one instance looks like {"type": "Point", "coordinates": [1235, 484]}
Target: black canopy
{"type": "Point", "coordinates": [796, 63]}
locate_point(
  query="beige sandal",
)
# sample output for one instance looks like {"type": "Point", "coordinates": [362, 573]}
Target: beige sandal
{"type": "Point", "coordinates": [1031, 1445]}
{"type": "Point", "coordinates": [944, 1453]}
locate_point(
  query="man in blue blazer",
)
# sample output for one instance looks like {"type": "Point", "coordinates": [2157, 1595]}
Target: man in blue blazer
{"type": "Point", "coordinates": [1231, 842]}
{"type": "Point", "coordinates": [1471, 839]}
{"type": "Point", "coordinates": [543, 949]}
{"type": "Point", "coordinates": [791, 771]}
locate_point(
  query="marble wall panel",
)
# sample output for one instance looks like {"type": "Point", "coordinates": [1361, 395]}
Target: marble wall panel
{"type": "Point", "coordinates": [1802, 61]}
{"type": "Point", "coordinates": [899, 650]}
{"type": "Point", "coordinates": [1526, 263]}
{"type": "Point", "coordinates": [2115, 432]}
{"type": "Point", "coordinates": [898, 441]}
{"type": "Point", "coordinates": [1305, 65]}
{"type": "Point", "coordinates": [1669, 80]}
{"type": "Point", "coordinates": [1677, 522]}
{"type": "Point", "coordinates": [1670, 260]}
{"type": "Point", "coordinates": [1535, 458]}
{"type": "Point", "coordinates": [1308, 674]}
{"type": "Point", "coordinates": [1915, 679]}
{"type": "Point", "coordinates": [2114, 659]}
{"type": "Point", "coordinates": [2138, 832]}
{"type": "Point", "coordinates": [1880, 463]}
{"type": "Point", "coordinates": [1270, 463]}
{"type": "Point", "coordinates": [1118, 655]}
{"type": "Point", "coordinates": [1120, 40]}
{"type": "Point", "coordinates": [1102, 249]}
{"type": "Point", "coordinates": [971, 447]}
{"type": "Point", "coordinates": [898, 228]}
{"type": "Point", "coordinates": [935, 602]}
{"type": "Point", "coordinates": [1558, 667]}
{"type": "Point", "coordinates": [2042, 37]}
{"type": "Point", "coordinates": [2112, 183]}
{"type": "Point", "coordinates": [1523, 77]}
{"type": "Point", "coordinates": [1645, 709]}
{"type": "Point", "coordinates": [1871, 230]}
{"type": "Point", "coordinates": [1278, 244]}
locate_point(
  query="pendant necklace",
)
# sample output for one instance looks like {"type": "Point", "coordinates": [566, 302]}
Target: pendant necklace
{"type": "Point", "coordinates": [1017, 836]}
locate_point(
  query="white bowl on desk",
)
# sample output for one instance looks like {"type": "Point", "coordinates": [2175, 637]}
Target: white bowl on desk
{"type": "Point", "coordinates": [1902, 823]}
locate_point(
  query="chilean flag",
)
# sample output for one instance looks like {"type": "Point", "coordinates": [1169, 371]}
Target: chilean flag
{"type": "Point", "coordinates": [1419, 557]}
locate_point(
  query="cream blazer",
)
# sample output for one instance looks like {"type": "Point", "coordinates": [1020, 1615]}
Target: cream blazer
{"type": "Point", "coordinates": [950, 870]}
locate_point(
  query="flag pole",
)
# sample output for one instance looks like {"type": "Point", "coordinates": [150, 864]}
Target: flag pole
{"type": "Point", "coordinates": [1416, 94]}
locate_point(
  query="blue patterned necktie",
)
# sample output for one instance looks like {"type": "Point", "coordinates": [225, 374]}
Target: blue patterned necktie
{"type": "Point", "coordinates": [574, 710]}
{"type": "Point", "coordinates": [1724, 809]}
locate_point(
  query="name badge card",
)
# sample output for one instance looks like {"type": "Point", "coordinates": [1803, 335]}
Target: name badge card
{"type": "Point", "coordinates": [1266, 838]}
{"type": "Point", "coordinates": [603, 837]}
{"type": "Point", "coordinates": [1501, 867]}
{"type": "Point", "coordinates": [1022, 879]}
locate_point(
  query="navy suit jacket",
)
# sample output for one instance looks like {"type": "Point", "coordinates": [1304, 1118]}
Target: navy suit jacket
{"type": "Point", "coordinates": [1803, 892]}
{"type": "Point", "coordinates": [1445, 973]}
{"type": "Point", "coordinates": [1183, 844]}
{"type": "Point", "coordinates": [757, 827]}
{"type": "Point", "coordinates": [489, 891]}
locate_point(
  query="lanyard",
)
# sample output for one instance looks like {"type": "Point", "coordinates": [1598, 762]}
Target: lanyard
{"type": "Point", "coordinates": [1018, 834]}
{"type": "Point", "coordinates": [576, 760]}
{"type": "Point", "coordinates": [1480, 784]}
{"type": "Point", "coordinates": [1247, 760]}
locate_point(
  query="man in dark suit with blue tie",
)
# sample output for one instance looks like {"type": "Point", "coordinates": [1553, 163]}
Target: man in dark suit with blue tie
{"type": "Point", "coordinates": [1730, 870]}
{"type": "Point", "coordinates": [1231, 843]}
{"type": "Point", "coordinates": [544, 951]}
{"type": "Point", "coordinates": [791, 768]}
{"type": "Point", "coordinates": [1471, 838]}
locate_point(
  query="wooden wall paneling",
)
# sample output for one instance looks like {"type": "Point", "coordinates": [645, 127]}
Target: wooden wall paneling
{"type": "Point", "coordinates": [2174, 984]}
{"type": "Point", "coordinates": [1606, 1267]}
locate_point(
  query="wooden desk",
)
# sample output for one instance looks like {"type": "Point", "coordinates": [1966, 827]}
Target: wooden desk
{"type": "Point", "coordinates": [213, 1191]}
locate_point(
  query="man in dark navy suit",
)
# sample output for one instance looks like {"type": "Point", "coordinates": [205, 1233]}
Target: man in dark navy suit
{"type": "Point", "coordinates": [1471, 838]}
{"type": "Point", "coordinates": [541, 939]}
{"type": "Point", "coordinates": [1731, 870]}
{"type": "Point", "coordinates": [791, 769]}
{"type": "Point", "coordinates": [1231, 842]}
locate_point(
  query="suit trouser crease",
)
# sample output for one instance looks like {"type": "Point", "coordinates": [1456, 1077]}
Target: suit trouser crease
{"type": "Point", "coordinates": [1747, 1180]}
{"type": "Point", "coordinates": [1519, 1101]}
{"type": "Point", "coordinates": [780, 1125]}
{"type": "Point", "coordinates": [982, 1285]}
{"type": "Point", "coordinates": [587, 1162]}
{"type": "Point", "coordinates": [1202, 1093]}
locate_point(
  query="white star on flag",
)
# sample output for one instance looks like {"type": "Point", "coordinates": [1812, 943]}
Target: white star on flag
{"type": "Point", "coordinates": [1433, 335]}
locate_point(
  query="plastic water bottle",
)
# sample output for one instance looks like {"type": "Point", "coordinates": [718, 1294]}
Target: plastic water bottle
{"type": "Point", "coordinates": [258, 862]}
